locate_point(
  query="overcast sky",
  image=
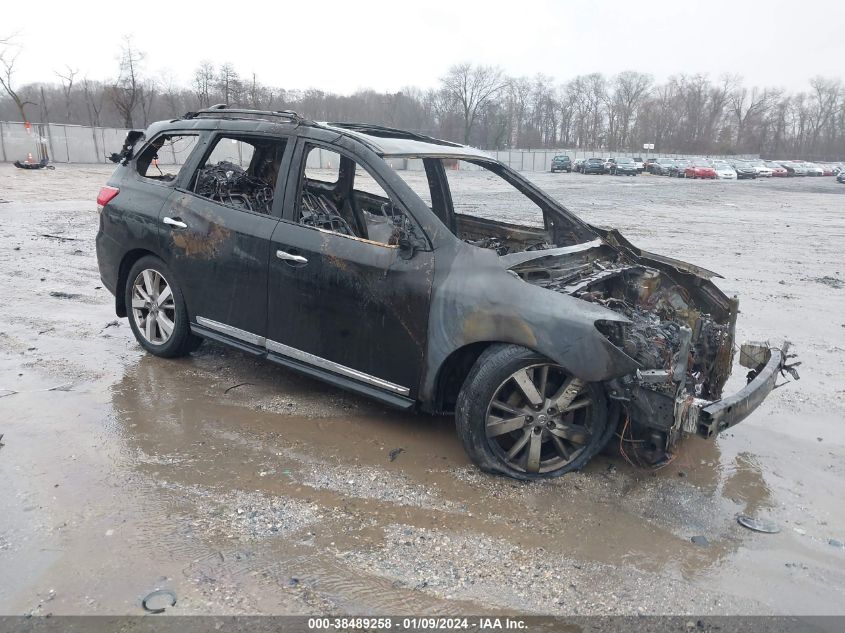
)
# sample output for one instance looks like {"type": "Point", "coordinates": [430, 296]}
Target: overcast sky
{"type": "Point", "coordinates": [343, 46]}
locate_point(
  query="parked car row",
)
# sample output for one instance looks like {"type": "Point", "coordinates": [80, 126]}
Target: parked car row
{"type": "Point", "coordinates": [737, 169]}
{"type": "Point", "coordinates": [722, 169]}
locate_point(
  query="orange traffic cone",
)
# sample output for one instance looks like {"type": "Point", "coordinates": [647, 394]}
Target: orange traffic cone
{"type": "Point", "coordinates": [28, 158]}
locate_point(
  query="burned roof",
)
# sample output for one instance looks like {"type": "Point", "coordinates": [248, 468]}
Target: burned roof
{"type": "Point", "coordinates": [391, 142]}
{"type": "Point", "coordinates": [385, 141]}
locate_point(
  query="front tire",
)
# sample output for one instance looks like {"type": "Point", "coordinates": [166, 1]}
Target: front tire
{"type": "Point", "coordinates": [520, 414]}
{"type": "Point", "coordinates": [156, 309]}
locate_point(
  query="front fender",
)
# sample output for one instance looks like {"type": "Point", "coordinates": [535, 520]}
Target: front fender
{"type": "Point", "coordinates": [476, 299]}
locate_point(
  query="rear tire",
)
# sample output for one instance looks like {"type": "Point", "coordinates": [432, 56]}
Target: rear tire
{"type": "Point", "coordinates": [156, 309]}
{"type": "Point", "coordinates": [504, 432]}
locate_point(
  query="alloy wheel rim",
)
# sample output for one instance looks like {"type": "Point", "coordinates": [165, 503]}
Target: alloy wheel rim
{"type": "Point", "coordinates": [153, 307]}
{"type": "Point", "coordinates": [537, 420]}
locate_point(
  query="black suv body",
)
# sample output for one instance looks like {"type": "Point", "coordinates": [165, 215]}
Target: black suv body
{"type": "Point", "coordinates": [301, 243]}
{"type": "Point", "coordinates": [561, 163]}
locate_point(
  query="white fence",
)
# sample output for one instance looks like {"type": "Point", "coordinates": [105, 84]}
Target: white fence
{"type": "Point", "coordinates": [82, 144]}
{"type": "Point", "coordinates": [64, 143]}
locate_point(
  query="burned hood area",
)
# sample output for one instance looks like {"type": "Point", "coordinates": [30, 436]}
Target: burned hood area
{"type": "Point", "coordinates": [677, 326]}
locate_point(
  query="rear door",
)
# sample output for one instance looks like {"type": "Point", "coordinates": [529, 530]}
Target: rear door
{"type": "Point", "coordinates": [344, 297]}
{"type": "Point", "coordinates": [148, 183]}
{"type": "Point", "coordinates": [219, 226]}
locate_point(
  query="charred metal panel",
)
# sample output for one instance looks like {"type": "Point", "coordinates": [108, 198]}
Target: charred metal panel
{"type": "Point", "coordinates": [352, 301]}
{"type": "Point", "coordinates": [717, 416]}
{"type": "Point", "coordinates": [476, 299]}
{"type": "Point", "coordinates": [221, 259]}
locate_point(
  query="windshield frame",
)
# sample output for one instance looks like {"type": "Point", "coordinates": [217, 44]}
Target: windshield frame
{"type": "Point", "coordinates": [557, 219]}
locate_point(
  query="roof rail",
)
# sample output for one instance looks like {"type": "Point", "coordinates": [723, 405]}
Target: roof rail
{"type": "Point", "coordinates": [390, 132]}
{"type": "Point", "coordinates": [222, 111]}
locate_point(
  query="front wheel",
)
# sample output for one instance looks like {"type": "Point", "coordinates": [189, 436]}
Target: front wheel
{"type": "Point", "coordinates": [524, 416]}
{"type": "Point", "coordinates": [156, 309]}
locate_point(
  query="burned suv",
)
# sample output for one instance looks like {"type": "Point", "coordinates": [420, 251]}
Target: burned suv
{"type": "Point", "coordinates": [424, 274]}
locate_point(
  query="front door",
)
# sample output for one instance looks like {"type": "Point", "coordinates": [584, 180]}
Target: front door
{"type": "Point", "coordinates": [344, 297]}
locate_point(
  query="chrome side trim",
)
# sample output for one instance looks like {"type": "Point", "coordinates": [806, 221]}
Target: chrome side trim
{"type": "Point", "coordinates": [343, 370]}
{"type": "Point", "coordinates": [234, 332]}
{"type": "Point", "coordinates": [305, 357]}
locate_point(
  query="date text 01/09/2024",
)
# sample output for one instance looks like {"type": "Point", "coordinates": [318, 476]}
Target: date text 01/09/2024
{"type": "Point", "coordinates": [417, 624]}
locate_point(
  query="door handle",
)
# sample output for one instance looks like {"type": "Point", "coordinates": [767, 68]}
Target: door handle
{"type": "Point", "coordinates": [176, 223]}
{"type": "Point", "coordinates": [299, 259]}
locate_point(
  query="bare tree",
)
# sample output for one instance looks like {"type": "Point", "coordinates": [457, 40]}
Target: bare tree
{"type": "Point", "coordinates": [748, 108]}
{"type": "Point", "coordinates": [127, 92]}
{"type": "Point", "coordinates": [229, 84]}
{"type": "Point", "coordinates": [203, 83]}
{"type": "Point", "coordinates": [687, 114]}
{"type": "Point", "coordinates": [596, 98]}
{"type": "Point", "coordinates": [825, 97]}
{"type": "Point", "coordinates": [543, 120]}
{"type": "Point", "coordinates": [629, 91]}
{"type": "Point", "coordinates": [8, 56]}
{"type": "Point", "coordinates": [45, 112]}
{"type": "Point", "coordinates": [67, 88]}
{"type": "Point", "coordinates": [566, 100]}
{"type": "Point", "coordinates": [171, 93]}
{"type": "Point", "coordinates": [472, 87]}
{"type": "Point", "coordinates": [149, 91]}
{"type": "Point", "coordinates": [518, 93]}
{"type": "Point", "coordinates": [94, 97]}
{"type": "Point", "coordinates": [256, 93]}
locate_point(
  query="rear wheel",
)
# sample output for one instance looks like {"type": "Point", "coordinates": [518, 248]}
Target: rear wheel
{"type": "Point", "coordinates": [522, 415]}
{"type": "Point", "coordinates": [157, 312]}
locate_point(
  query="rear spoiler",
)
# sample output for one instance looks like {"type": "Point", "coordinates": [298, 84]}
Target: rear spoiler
{"type": "Point", "coordinates": [125, 154]}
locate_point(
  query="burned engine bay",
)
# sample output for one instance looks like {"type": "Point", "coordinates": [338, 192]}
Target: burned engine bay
{"type": "Point", "coordinates": [681, 333]}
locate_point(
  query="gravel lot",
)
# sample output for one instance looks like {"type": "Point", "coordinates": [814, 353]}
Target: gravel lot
{"type": "Point", "coordinates": [124, 473]}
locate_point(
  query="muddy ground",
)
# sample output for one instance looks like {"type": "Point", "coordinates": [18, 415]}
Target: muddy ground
{"type": "Point", "coordinates": [245, 488]}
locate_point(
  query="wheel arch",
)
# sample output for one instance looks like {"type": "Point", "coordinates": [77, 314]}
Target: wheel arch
{"type": "Point", "coordinates": [453, 371]}
{"type": "Point", "coordinates": [129, 259]}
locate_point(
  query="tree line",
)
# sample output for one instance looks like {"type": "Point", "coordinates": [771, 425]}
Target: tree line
{"type": "Point", "coordinates": [474, 104]}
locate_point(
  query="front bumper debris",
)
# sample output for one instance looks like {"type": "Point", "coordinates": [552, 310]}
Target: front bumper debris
{"type": "Point", "coordinates": [708, 418]}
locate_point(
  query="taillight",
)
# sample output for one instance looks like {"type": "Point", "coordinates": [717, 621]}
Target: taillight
{"type": "Point", "coordinates": [105, 196]}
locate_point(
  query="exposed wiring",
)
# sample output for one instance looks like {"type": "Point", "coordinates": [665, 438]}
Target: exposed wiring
{"type": "Point", "coordinates": [640, 461]}
{"type": "Point", "coordinates": [622, 447]}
